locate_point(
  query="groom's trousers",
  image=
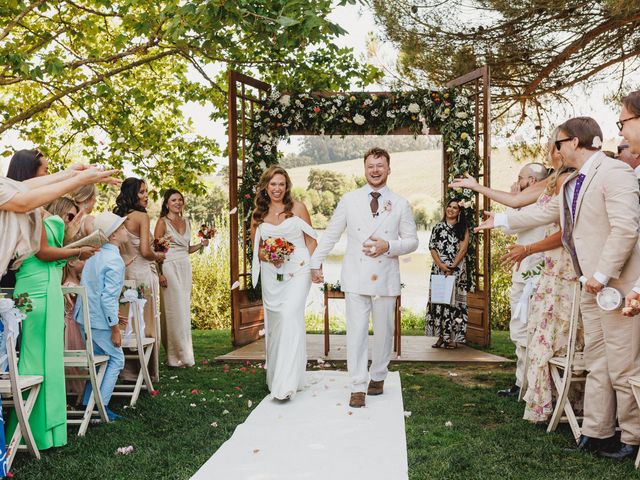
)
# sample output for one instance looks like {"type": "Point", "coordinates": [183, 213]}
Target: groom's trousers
{"type": "Point", "coordinates": [382, 311]}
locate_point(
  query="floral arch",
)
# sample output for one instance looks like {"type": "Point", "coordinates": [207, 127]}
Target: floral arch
{"type": "Point", "coordinates": [274, 117]}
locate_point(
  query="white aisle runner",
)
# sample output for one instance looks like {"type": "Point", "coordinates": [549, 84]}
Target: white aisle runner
{"type": "Point", "coordinates": [317, 436]}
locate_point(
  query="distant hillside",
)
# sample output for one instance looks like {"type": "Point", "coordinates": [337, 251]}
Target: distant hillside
{"type": "Point", "coordinates": [417, 175]}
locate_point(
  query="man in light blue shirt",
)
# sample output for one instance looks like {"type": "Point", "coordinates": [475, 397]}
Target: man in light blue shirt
{"type": "Point", "coordinates": [103, 277]}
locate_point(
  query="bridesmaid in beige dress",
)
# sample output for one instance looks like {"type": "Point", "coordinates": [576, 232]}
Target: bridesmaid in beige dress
{"type": "Point", "coordinates": [141, 260]}
{"type": "Point", "coordinates": [175, 281]}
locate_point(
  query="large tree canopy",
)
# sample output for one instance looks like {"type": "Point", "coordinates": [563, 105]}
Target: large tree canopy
{"type": "Point", "coordinates": [109, 79]}
{"type": "Point", "coordinates": [536, 49]}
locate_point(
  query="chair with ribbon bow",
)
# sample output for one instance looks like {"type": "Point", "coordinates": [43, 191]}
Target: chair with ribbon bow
{"type": "Point", "coordinates": [137, 347]}
{"type": "Point", "coordinates": [88, 366]}
{"type": "Point", "coordinates": [13, 385]}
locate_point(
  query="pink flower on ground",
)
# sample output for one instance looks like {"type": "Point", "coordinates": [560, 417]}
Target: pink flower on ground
{"type": "Point", "coordinates": [155, 393]}
{"type": "Point", "coordinates": [195, 391]}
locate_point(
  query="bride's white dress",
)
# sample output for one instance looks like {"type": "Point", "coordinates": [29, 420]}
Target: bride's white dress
{"type": "Point", "coordinates": [284, 305]}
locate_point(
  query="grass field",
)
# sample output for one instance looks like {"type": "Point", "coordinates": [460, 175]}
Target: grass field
{"type": "Point", "coordinates": [172, 434]}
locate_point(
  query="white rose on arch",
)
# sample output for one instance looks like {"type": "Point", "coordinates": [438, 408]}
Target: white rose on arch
{"type": "Point", "coordinates": [414, 108]}
{"type": "Point", "coordinates": [358, 119]}
{"type": "Point", "coordinates": [462, 114]}
{"type": "Point", "coordinates": [285, 100]}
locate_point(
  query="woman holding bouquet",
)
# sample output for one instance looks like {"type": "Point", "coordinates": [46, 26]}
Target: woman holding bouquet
{"type": "Point", "coordinates": [283, 241]}
{"type": "Point", "coordinates": [140, 259]}
{"type": "Point", "coordinates": [175, 280]}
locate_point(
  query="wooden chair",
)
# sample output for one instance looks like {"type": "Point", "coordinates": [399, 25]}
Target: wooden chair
{"type": "Point", "coordinates": [635, 388]}
{"type": "Point", "coordinates": [137, 348]}
{"type": "Point", "coordinates": [93, 368]}
{"type": "Point", "coordinates": [566, 370]}
{"type": "Point", "coordinates": [12, 387]}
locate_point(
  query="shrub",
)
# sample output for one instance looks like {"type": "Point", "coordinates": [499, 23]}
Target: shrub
{"type": "Point", "coordinates": [500, 281]}
{"type": "Point", "coordinates": [211, 295]}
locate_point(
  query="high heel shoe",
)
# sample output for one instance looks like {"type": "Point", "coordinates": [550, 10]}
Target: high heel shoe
{"type": "Point", "coordinates": [439, 343]}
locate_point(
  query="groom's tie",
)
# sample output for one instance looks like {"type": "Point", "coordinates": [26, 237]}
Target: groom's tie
{"type": "Point", "coordinates": [374, 203]}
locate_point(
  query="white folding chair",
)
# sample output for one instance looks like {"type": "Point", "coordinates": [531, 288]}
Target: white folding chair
{"type": "Point", "coordinates": [635, 388]}
{"type": "Point", "coordinates": [566, 370]}
{"type": "Point", "coordinates": [139, 347]}
{"type": "Point", "coordinates": [12, 387]}
{"type": "Point", "coordinates": [92, 367]}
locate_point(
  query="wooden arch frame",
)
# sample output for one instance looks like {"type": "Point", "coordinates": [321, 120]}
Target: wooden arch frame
{"type": "Point", "coordinates": [246, 97]}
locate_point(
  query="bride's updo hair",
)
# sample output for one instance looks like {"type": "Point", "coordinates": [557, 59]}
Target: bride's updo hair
{"type": "Point", "coordinates": [261, 201]}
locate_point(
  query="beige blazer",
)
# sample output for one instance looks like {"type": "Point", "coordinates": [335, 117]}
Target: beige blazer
{"type": "Point", "coordinates": [604, 235]}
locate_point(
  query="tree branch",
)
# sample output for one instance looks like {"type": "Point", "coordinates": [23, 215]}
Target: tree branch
{"type": "Point", "coordinates": [20, 16]}
{"type": "Point", "coordinates": [49, 101]}
{"type": "Point", "coordinates": [574, 47]}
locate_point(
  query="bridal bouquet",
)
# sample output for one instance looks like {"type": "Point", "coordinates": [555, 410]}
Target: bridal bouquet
{"type": "Point", "coordinates": [162, 244]}
{"type": "Point", "coordinates": [277, 249]}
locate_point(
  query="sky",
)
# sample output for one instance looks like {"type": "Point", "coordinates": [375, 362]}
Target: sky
{"type": "Point", "coordinates": [359, 22]}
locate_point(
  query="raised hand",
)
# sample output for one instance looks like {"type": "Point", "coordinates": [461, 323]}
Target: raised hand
{"type": "Point", "coordinates": [466, 182]}
{"type": "Point", "coordinates": [97, 175]}
{"type": "Point", "coordinates": [73, 227]}
{"type": "Point", "coordinates": [487, 223]}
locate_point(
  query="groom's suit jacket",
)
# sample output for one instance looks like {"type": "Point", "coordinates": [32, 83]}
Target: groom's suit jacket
{"type": "Point", "coordinates": [603, 237]}
{"type": "Point", "coordinates": [362, 274]}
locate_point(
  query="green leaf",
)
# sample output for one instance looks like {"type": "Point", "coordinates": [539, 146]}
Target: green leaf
{"type": "Point", "coordinates": [287, 21]}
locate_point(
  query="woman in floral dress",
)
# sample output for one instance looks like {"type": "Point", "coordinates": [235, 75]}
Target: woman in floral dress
{"type": "Point", "coordinates": [448, 246]}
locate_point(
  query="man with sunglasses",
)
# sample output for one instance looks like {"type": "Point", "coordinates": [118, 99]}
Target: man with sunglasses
{"type": "Point", "coordinates": [599, 212]}
{"type": "Point", "coordinates": [629, 121]}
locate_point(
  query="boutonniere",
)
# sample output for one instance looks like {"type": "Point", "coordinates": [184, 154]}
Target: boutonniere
{"type": "Point", "coordinates": [387, 206]}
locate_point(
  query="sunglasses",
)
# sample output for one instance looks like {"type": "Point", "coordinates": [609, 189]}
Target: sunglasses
{"type": "Point", "coordinates": [622, 148]}
{"type": "Point", "coordinates": [621, 123]}
{"type": "Point", "coordinates": [71, 216]}
{"type": "Point", "coordinates": [558, 143]}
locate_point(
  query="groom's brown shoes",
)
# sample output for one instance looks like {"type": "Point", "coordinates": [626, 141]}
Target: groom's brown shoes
{"type": "Point", "coordinates": [375, 388]}
{"type": "Point", "coordinates": [357, 400]}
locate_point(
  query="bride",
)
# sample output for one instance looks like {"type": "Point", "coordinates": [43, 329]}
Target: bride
{"type": "Point", "coordinates": [276, 215]}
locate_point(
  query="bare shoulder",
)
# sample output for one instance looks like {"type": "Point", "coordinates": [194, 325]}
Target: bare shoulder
{"type": "Point", "coordinates": [299, 208]}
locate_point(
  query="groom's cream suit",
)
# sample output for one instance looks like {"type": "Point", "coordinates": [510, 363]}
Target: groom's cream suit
{"type": "Point", "coordinates": [602, 239]}
{"type": "Point", "coordinates": [371, 285]}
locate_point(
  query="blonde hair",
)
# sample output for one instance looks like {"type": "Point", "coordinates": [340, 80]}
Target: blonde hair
{"type": "Point", "coordinates": [552, 183]}
{"type": "Point", "coordinates": [84, 193]}
{"type": "Point", "coordinates": [61, 206]}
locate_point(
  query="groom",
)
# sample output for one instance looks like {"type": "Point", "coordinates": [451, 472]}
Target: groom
{"type": "Point", "coordinates": [380, 227]}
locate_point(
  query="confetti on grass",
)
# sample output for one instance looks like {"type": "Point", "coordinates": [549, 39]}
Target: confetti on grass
{"type": "Point", "coordinates": [124, 450]}
{"type": "Point", "coordinates": [448, 424]}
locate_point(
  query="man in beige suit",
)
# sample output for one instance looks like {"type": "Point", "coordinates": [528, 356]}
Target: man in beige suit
{"type": "Point", "coordinates": [600, 216]}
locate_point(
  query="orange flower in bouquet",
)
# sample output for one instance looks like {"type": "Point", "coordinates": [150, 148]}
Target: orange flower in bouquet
{"type": "Point", "coordinates": [162, 244]}
{"type": "Point", "coordinates": [277, 250]}
{"type": "Point", "coordinates": [206, 232]}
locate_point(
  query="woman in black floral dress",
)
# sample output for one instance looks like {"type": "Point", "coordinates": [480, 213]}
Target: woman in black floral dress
{"type": "Point", "coordinates": [448, 245]}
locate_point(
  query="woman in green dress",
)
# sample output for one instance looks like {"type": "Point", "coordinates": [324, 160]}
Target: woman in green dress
{"type": "Point", "coordinates": [42, 346]}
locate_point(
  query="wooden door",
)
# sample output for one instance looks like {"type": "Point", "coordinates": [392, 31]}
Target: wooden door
{"type": "Point", "coordinates": [245, 97]}
{"type": "Point", "coordinates": [476, 85]}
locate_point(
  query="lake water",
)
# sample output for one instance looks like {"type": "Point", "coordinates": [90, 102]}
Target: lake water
{"type": "Point", "coordinates": [414, 272]}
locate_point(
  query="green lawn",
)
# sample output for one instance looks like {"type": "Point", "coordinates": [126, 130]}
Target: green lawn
{"type": "Point", "coordinates": [172, 439]}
